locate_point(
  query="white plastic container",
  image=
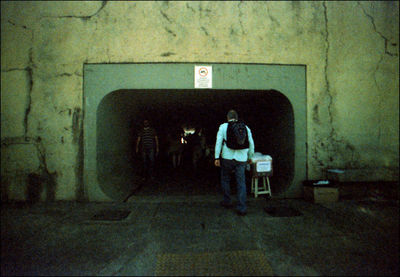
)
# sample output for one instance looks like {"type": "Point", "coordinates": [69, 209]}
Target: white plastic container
{"type": "Point", "coordinates": [261, 165]}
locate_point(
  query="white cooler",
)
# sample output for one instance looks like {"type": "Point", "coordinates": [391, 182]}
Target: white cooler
{"type": "Point", "coordinates": [261, 167]}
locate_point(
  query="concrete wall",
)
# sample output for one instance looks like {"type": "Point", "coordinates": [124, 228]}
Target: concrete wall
{"type": "Point", "coordinates": [350, 50]}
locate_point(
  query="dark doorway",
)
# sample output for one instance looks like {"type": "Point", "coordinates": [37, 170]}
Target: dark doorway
{"type": "Point", "coordinates": [120, 115]}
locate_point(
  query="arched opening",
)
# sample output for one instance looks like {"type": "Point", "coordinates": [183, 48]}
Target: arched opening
{"type": "Point", "coordinates": [120, 114]}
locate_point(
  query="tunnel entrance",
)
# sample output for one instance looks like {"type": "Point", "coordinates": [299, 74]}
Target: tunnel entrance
{"type": "Point", "coordinates": [188, 113]}
{"type": "Point", "coordinates": [271, 98]}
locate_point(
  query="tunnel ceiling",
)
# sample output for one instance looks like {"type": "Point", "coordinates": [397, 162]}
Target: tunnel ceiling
{"type": "Point", "coordinates": [203, 108]}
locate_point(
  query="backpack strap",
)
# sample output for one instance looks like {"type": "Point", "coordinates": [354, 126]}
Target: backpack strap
{"type": "Point", "coordinates": [226, 134]}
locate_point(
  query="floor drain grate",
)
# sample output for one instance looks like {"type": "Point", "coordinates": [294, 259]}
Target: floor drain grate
{"type": "Point", "coordinates": [282, 211]}
{"type": "Point", "coordinates": [111, 215]}
{"type": "Point", "coordinates": [230, 263]}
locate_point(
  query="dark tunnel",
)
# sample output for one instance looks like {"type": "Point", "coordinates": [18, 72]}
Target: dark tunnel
{"type": "Point", "coordinates": [120, 116]}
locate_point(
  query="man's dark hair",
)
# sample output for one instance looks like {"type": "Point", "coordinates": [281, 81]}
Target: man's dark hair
{"type": "Point", "coordinates": [146, 123]}
{"type": "Point", "coordinates": [232, 114]}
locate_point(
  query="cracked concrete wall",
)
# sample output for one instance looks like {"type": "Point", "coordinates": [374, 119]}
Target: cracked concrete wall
{"type": "Point", "coordinates": [361, 93]}
{"type": "Point", "coordinates": [350, 49]}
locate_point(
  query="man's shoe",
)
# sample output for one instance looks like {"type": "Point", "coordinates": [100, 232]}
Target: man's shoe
{"type": "Point", "coordinates": [241, 213]}
{"type": "Point", "coordinates": [225, 205]}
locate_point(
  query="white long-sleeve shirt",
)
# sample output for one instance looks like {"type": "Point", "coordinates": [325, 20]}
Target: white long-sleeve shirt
{"type": "Point", "coordinates": [241, 155]}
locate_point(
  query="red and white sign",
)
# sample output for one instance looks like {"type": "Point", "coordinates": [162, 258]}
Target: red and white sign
{"type": "Point", "coordinates": [203, 76]}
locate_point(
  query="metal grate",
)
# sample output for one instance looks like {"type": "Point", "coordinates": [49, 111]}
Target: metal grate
{"type": "Point", "coordinates": [111, 215]}
{"type": "Point", "coordinates": [230, 263]}
{"type": "Point", "coordinates": [282, 211]}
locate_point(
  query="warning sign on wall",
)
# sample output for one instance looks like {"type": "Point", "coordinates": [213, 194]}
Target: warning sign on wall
{"type": "Point", "coordinates": [202, 76]}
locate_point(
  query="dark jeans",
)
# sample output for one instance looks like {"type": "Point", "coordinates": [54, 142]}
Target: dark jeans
{"type": "Point", "coordinates": [148, 162]}
{"type": "Point", "coordinates": [227, 166]}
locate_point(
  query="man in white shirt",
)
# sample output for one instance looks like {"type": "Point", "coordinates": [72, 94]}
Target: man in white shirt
{"type": "Point", "coordinates": [233, 160]}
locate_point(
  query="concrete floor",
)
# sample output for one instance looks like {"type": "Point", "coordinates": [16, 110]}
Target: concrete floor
{"type": "Point", "coordinates": [348, 237]}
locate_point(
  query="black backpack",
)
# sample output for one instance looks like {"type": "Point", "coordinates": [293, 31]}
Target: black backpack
{"type": "Point", "coordinates": [236, 135]}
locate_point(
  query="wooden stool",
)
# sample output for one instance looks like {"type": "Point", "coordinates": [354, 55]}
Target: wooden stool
{"type": "Point", "coordinates": [265, 189]}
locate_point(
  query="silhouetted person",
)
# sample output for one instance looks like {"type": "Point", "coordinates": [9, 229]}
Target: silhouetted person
{"type": "Point", "coordinates": [198, 147]}
{"type": "Point", "coordinates": [175, 148]}
{"type": "Point", "coordinates": [234, 147]}
{"type": "Point", "coordinates": [149, 148]}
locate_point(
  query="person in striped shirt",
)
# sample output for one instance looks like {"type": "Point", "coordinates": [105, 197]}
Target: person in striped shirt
{"type": "Point", "coordinates": [149, 148]}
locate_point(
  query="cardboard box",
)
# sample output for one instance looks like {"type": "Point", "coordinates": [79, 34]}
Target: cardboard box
{"type": "Point", "coordinates": [320, 193]}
